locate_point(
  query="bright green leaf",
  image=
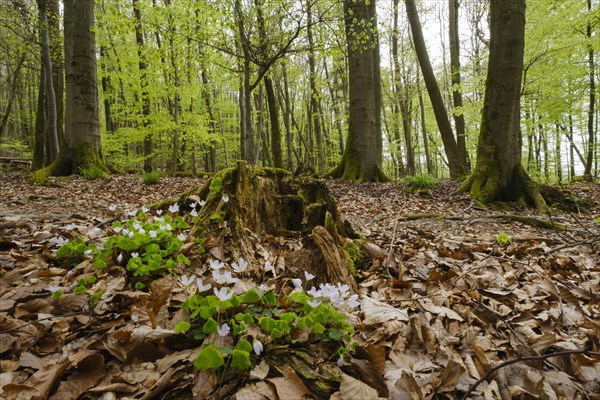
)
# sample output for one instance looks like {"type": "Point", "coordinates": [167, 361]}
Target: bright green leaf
{"type": "Point", "coordinates": [210, 326]}
{"type": "Point", "coordinates": [209, 358]}
{"type": "Point", "coordinates": [241, 359]}
{"type": "Point", "coordinates": [183, 326]}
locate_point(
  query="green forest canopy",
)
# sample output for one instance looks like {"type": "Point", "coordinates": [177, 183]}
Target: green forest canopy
{"type": "Point", "coordinates": [182, 76]}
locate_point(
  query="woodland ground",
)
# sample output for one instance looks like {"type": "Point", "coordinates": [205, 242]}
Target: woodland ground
{"type": "Point", "coordinates": [452, 291]}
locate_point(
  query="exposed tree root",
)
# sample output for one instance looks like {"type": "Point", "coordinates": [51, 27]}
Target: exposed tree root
{"type": "Point", "coordinates": [85, 156]}
{"type": "Point", "coordinates": [484, 186]}
{"type": "Point", "coordinates": [350, 168]}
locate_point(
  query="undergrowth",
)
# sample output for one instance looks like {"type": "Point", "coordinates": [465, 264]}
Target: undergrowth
{"type": "Point", "coordinates": [232, 325]}
{"type": "Point", "coordinates": [421, 181]}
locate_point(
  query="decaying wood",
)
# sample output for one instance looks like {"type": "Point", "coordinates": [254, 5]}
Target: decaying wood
{"type": "Point", "coordinates": [533, 221]}
{"type": "Point", "coordinates": [335, 259]}
{"type": "Point", "coordinates": [270, 201]}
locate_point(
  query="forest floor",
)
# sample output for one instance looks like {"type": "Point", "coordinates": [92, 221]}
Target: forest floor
{"type": "Point", "coordinates": [454, 291]}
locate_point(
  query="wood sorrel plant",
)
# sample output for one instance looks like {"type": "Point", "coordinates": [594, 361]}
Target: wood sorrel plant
{"type": "Point", "coordinates": [217, 311]}
{"type": "Point", "coordinates": [145, 245]}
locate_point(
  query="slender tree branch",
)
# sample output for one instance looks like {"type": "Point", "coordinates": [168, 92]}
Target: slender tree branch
{"type": "Point", "coordinates": [522, 359]}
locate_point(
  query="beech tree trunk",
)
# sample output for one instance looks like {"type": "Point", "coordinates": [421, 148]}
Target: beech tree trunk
{"type": "Point", "coordinates": [51, 115]}
{"type": "Point", "coordinates": [142, 67]}
{"type": "Point", "coordinates": [456, 166]}
{"type": "Point", "coordinates": [247, 131]}
{"type": "Point", "coordinates": [82, 125]}
{"type": "Point", "coordinates": [458, 115]}
{"type": "Point", "coordinates": [592, 100]}
{"type": "Point", "coordinates": [314, 96]}
{"type": "Point", "coordinates": [274, 120]}
{"type": "Point", "coordinates": [398, 101]}
{"type": "Point", "coordinates": [498, 174]}
{"type": "Point", "coordinates": [362, 158]}
{"type": "Point", "coordinates": [286, 109]}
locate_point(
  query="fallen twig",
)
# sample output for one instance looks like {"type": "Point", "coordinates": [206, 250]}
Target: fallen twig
{"type": "Point", "coordinates": [533, 221]}
{"type": "Point", "coordinates": [567, 245]}
{"type": "Point", "coordinates": [521, 359]}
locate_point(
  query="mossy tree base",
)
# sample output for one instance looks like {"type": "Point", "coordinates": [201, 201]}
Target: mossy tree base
{"type": "Point", "coordinates": [351, 168]}
{"type": "Point", "coordinates": [485, 186]}
{"type": "Point", "coordinates": [69, 163]}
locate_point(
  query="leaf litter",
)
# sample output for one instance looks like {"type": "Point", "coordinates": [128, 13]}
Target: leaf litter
{"type": "Point", "coordinates": [456, 302]}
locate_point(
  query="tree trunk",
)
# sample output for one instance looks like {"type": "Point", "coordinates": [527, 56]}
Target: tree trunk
{"type": "Point", "coordinates": [51, 115]}
{"type": "Point", "coordinates": [362, 159]}
{"type": "Point", "coordinates": [399, 116]}
{"type": "Point", "coordinates": [286, 108]}
{"type": "Point", "coordinates": [176, 157]}
{"type": "Point", "coordinates": [458, 113]}
{"type": "Point", "coordinates": [335, 107]}
{"type": "Point", "coordinates": [314, 96]}
{"type": "Point", "coordinates": [212, 123]}
{"type": "Point", "coordinates": [143, 67]}
{"type": "Point", "coordinates": [457, 167]}
{"type": "Point", "coordinates": [592, 100]}
{"type": "Point", "coordinates": [58, 65]}
{"type": "Point", "coordinates": [498, 174]}
{"type": "Point", "coordinates": [248, 152]}
{"type": "Point", "coordinates": [82, 126]}
{"type": "Point", "coordinates": [12, 95]}
{"type": "Point", "coordinates": [557, 154]}
{"type": "Point", "coordinates": [39, 139]}
{"type": "Point", "coordinates": [106, 90]}
{"type": "Point", "coordinates": [428, 160]}
{"type": "Point", "coordinates": [275, 128]}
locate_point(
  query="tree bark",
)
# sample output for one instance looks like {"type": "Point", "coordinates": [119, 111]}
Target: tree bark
{"type": "Point", "coordinates": [247, 141]}
{"type": "Point", "coordinates": [457, 168]}
{"type": "Point", "coordinates": [362, 159]}
{"type": "Point", "coordinates": [428, 160]}
{"type": "Point", "coordinates": [287, 110]}
{"type": "Point", "coordinates": [274, 119]}
{"type": "Point", "coordinates": [398, 109]}
{"type": "Point", "coordinates": [335, 107]}
{"type": "Point", "coordinates": [39, 139]}
{"type": "Point", "coordinates": [82, 126]}
{"type": "Point", "coordinates": [314, 96]}
{"type": "Point", "coordinates": [12, 95]}
{"type": "Point", "coordinates": [58, 65]}
{"type": "Point", "coordinates": [592, 100]}
{"type": "Point", "coordinates": [498, 174]}
{"type": "Point", "coordinates": [143, 67]}
{"type": "Point", "coordinates": [458, 114]}
{"type": "Point", "coordinates": [51, 115]}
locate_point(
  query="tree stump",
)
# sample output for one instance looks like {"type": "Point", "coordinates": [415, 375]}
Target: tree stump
{"type": "Point", "coordinates": [249, 206]}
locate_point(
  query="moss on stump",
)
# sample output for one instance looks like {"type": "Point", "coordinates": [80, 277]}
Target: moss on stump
{"type": "Point", "coordinates": [249, 203]}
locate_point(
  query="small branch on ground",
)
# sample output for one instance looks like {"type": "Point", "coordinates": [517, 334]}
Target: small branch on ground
{"type": "Point", "coordinates": [523, 359]}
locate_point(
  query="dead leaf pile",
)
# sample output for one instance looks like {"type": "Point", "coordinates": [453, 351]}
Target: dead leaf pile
{"type": "Point", "coordinates": [446, 309]}
{"type": "Point", "coordinates": [450, 303]}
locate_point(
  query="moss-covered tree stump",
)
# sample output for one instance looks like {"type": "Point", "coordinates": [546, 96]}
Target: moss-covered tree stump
{"type": "Point", "coordinates": [246, 206]}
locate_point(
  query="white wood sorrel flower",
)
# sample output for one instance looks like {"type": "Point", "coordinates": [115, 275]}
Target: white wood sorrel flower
{"type": "Point", "coordinates": [223, 294]}
{"type": "Point", "coordinates": [257, 346]}
{"type": "Point", "coordinates": [223, 330]}
{"type": "Point", "coordinates": [201, 286]}
{"type": "Point", "coordinates": [239, 266]}
{"type": "Point", "coordinates": [185, 280]}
